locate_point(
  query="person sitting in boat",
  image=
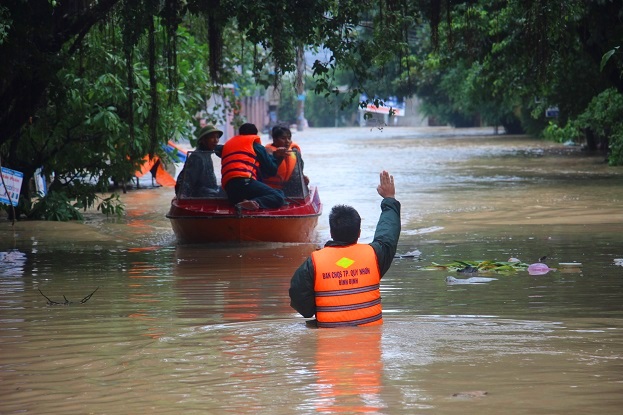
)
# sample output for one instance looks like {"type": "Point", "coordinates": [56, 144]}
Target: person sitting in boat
{"type": "Point", "coordinates": [197, 178]}
{"type": "Point", "coordinates": [243, 161]}
{"type": "Point", "coordinates": [282, 138]}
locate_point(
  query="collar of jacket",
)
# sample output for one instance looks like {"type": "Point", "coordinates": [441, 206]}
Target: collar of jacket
{"type": "Point", "coordinates": [336, 243]}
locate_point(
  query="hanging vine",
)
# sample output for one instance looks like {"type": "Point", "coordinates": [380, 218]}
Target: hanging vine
{"type": "Point", "coordinates": [171, 18]}
{"type": "Point", "coordinates": [131, 32]}
{"type": "Point", "coordinates": [215, 43]}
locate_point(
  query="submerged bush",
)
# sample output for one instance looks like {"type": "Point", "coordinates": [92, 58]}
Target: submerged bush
{"type": "Point", "coordinates": [615, 157]}
{"type": "Point", "coordinates": [55, 206]}
{"type": "Point", "coordinates": [602, 125]}
{"type": "Point", "coordinates": [561, 134]}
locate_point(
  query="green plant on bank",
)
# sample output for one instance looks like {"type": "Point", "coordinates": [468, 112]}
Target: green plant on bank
{"type": "Point", "coordinates": [55, 206]}
{"type": "Point", "coordinates": [602, 120]}
{"type": "Point", "coordinates": [80, 139]}
{"type": "Point", "coordinates": [600, 125]}
{"type": "Point", "coordinates": [502, 267]}
{"type": "Point", "coordinates": [561, 134]}
{"type": "Point", "coordinates": [111, 205]}
{"type": "Point", "coordinates": [65, 206]}
{"type": "Point", "coordinates": [615, 158]}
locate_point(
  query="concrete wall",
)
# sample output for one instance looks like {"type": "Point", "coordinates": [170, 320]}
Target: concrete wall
{"type": "Point", "coordinates": [413, 116]}
{"type": "Point", "coordinates": [252, 109]}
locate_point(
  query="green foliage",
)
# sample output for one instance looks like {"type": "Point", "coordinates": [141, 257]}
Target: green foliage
{"type": "Point", "coordinates": [460, 82]}
{"type": "Point", "coordinates": [602, 119]}
{"type": "Point", "coordinates": [561, 134]}
{"type": "Point", "coordinates": [486, 266]}
{"type": "Point", "coordinates": [5, 23]}
{"type": "Point", "coordinates": [288, 102]}
{"type": "Point", "coordinates": [55, 206]}
{"type": "Point", "coordinates": [81, 98]}
{"type": "Point", "coordinates": [339, 109]}
{"type": "Point", "coordinates": [111, 205]}
{"type": "Point", "coordinates": [327, 112]}
{"type": "Point", "coordinates": [81, 135]}
{"type": "Point", "coordinates": [64, 206]}
{"type": "Point", "coordinates": [615, 158]}
{"type": "Point", "coordinates": [606, 57]}
{"type": "Point", "coordinates": [495, 58]}
{"type": "Point", "coordinates": [602, 113]}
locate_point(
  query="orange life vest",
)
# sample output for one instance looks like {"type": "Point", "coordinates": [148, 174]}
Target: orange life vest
{"type": "Point", "coordinates": [238, 159]}
{"type": "Point", "coordinates": [346, 284]}
{"type": "Point", "coordinates": [286, 168]}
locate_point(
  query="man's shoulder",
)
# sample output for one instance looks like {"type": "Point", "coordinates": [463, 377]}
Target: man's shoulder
{"type": "Point", "coordinates": [243, 140]}
{"type": "Point", "coordinates": [200, 155]}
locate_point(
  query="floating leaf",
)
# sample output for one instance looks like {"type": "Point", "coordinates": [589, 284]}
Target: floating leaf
{"type": "Point", "coordinates": [481, 266]}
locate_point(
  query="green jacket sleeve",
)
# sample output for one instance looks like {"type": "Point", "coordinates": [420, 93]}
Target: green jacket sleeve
{"type": "Point", "coordinates": [268, 163]}
{"type": "Point", "coordinates": [387, 233]}
{"type": "Point", "coordinates": [302, 297]}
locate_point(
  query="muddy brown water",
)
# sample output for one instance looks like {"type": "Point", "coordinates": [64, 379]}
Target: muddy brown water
{"type": "Point", "coordinates": [208, 329]}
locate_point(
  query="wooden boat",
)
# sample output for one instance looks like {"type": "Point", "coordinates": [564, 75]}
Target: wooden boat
{"type": "Point", "coordinates": [215, 219]}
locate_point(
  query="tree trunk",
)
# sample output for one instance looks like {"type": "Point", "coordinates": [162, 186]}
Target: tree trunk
{"type": "Point", "coordinates": [300, 88]}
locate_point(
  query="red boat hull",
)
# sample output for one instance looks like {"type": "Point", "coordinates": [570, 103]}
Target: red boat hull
{"type": "Point", "coordinates": [216, 220]}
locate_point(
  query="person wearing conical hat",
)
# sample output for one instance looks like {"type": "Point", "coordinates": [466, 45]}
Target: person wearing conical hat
{"type": "Point", "coordinates": [197, 178]}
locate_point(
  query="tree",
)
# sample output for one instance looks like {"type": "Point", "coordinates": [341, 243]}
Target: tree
{"type": "Point", "coordinates": [80, 137]}
{"type": "Point", "coordinates": [89, 117]}
{"type": "Point", "coordinates": [38, 36]}
{"type": "Point", "coordinates": [484, 57]}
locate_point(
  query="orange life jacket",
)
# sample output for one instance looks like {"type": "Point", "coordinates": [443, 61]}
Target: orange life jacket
{"type": "Point", "coordinates": [346, 283]}
{"type": "Point", "coordinates": [238, 159]}
{"type": "Point", "coordinates": [286, 168]}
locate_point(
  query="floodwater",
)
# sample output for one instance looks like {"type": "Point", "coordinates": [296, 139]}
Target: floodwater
{"type": "Point", "coordinates": [207, 329]}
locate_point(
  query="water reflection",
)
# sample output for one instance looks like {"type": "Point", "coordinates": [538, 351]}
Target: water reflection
{"type": "Point", "coordinates": [242, 283]}
{"type": "Point", "coordinates": [349, 369]}
{"type": "Point", "coordinates": [12, 263]}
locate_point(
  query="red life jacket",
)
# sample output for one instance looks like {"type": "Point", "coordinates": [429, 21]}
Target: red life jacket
{"type": "Point", "coordinates": [286, 168]}
{"type": "Point", "coordinates": [238, 159]}
{"type": "Point", "coordinates": [346, 284]}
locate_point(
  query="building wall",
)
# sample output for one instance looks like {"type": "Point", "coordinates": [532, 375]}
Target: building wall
{"type": "Point", "coordinates": [413, 116]}
{"type": "Point", "coordinates": [252, 109]}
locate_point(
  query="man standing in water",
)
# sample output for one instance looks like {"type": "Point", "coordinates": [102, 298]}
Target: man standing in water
{"type": "Point", "coordinates": [340, 283]}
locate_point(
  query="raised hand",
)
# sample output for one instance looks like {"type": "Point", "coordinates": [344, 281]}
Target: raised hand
{"type": "Point", "coordinates": [386, 186]}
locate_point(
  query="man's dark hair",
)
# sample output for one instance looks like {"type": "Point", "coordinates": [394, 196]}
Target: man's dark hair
{"type": "Point", "coordinates": [280, 131]}
{"type": "Point", "coordinates": [247, 129]}
{"type": "Point", "coordinates": [344, 224]}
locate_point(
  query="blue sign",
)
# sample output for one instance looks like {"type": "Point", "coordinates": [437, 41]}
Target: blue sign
{"type": "Point", "coordinates": [10, 186]}
{"type": "Point", "coordinates": [552, 112]}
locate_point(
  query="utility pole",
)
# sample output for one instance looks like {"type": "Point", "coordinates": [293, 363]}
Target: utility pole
{"type": "Point", "coordinates": [299, 86]}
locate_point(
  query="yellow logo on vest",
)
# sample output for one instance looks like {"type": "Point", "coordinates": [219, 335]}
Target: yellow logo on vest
{"type": "Point", "coordinates": [344, 262]}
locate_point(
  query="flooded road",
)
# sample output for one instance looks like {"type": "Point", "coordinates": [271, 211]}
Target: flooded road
{"type": "Point", "coordinates": [208, 329]}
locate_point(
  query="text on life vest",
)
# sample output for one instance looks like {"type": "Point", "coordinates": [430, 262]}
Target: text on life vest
{"type": "Point", "coordinates": [347, 277]}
